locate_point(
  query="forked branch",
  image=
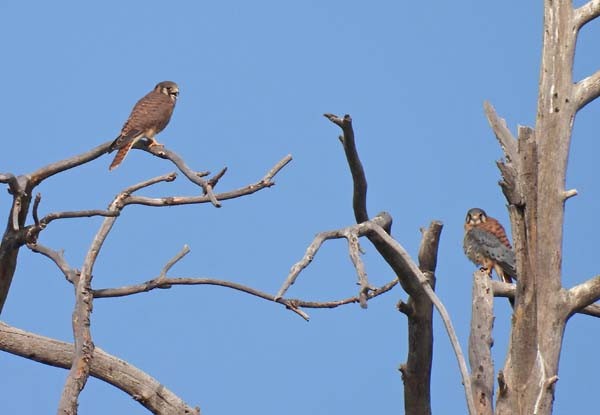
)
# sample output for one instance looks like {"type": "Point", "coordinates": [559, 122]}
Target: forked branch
{"type": "Point", "coordinates": [162, 281]}
{"type": "Point", "coordinates": [265, 182]}
{"type": "Point", "coordinates": [374, 226]}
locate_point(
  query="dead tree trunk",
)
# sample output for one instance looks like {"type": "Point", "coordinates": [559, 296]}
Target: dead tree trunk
{"type": "Point", "coordinates": [534, 184]}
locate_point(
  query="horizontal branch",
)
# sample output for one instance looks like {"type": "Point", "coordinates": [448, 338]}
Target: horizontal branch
{"type": "Point", "coordinates": [75, 214]}
{"type": "Point", "coordinates": [502, 289]}
{"type": "Point", "coordinates": [292, 304]}
{"type": "Point", "coordinates": [149, 392]}
{"type": "Point", "coordinates": [162, 281]}
{"type": "Point", "coordinates": [587, 90]}
{"type": "Point", "coordinates": [265, 182]}
{"type": "Point", "coordinates": [586, 13]}
{"type": "Point", "coordinates": [584, 294]}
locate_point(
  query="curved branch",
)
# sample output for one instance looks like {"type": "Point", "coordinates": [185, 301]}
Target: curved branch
{"type": "Point", "coordinates": [58, 258]}
{"type": "Point", "coordinates": [163, 282]}
{"type": "Point", "coordinates": [51, 169]}
{"type": "Point", "coordinates": [426, 287]}
{"type": "Point", "coordinates": [193, 176]}
{"type": "Point", "coordinates": [587, 90]}
{"type": "Point", "coordinates": [293, 304]}
{"type": "Point", "coordinates": [83, 345]}
{"type": "Point", "coordinates": [359, 180]}
{"type": "Point", "coordinates": [586, 13]}
{"type": "Point", "coordinates": [149, 392]}
{"type": "Point", "coordinates": [584, 294]}
{"type": "Point", "coordinates": [416, 373]}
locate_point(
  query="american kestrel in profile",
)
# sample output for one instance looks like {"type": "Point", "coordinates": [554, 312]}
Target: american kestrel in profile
{"type": "Point", "coordinates": [486, 244]}
{"type": "Point", "coordinates": [149, 117]}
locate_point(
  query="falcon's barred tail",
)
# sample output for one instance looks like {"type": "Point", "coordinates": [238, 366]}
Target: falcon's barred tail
{"type": "Point", "coordinates": [121, 155]}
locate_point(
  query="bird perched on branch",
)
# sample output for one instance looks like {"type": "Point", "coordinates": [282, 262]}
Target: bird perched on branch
{"type": "Point", "coordinates": [486, 244]}
{"type": "Point", "coordinates": [149, 117]}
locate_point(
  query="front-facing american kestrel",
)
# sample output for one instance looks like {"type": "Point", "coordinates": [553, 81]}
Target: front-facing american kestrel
{"type": "Point", "coordinates": [486, 244]}
{"type": "Point", "coordinates": [149, 117]}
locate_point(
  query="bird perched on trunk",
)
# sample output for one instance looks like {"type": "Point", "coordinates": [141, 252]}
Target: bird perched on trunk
{"type": "Point", "coordinates": [149, 117]}
{"type": "Point", "coordinates": [486, 244]}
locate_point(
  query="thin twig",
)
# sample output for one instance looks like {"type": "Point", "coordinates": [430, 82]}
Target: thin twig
{"type": "Point", "coordinates": [192, 175]}
{"type": "Point", "coordinates": [76, 214]}
{"type": "Point", "coordinates": [169, 177]}
{"type": "Point", "coordinates": [58, 258]}
{"type": "Point", "coordinates": [184, 251]}
{"type": "Point", "coordinates": [311, 251]}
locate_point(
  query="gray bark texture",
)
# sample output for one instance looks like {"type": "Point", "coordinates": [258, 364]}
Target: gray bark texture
{"type": "Point", "coordinates": [533, 181]}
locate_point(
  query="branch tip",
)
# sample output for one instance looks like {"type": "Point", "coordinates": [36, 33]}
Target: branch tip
{"type": "Point", "coordinates": [567, 194]}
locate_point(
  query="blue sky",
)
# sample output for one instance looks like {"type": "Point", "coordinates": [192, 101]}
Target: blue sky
{"type": "Point", "coordinates": [255, 79]}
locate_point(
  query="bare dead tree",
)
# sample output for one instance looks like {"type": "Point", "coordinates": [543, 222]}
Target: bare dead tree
{"type": "Point", "coordinates": [82, 357]}
{"type": "Point", "coordinates": [533, 182]}
{"type": "Point", "coordinates": [417, 281]}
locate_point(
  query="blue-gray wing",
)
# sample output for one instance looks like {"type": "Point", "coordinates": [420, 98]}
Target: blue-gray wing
{"type": "Point", "coordinates": [479, 243]}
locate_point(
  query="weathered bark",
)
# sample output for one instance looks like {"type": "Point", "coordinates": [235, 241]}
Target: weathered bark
{"type": "Point", "coordinates": [13, 238]}
{"type": "Point", "coordinates": [540, 312]}
{"type": "Point", "coordinates": [534, 185]}
{"type": "Point", "coordinates": [142, 387]}
{"type": "Point", "coordinates": [480, 344]}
